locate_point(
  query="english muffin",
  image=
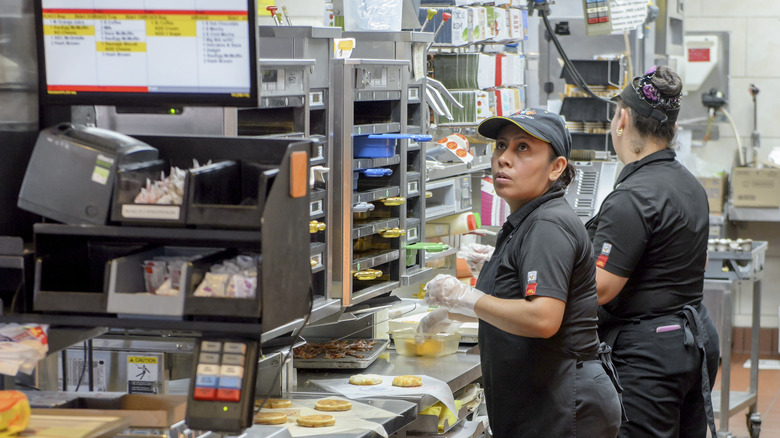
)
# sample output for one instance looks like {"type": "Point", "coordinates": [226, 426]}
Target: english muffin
{"type": "Point", "coordinates": [407, 381]}
{"type": "Point", "coordinates": [319, 420]}
{"type": "Point", "coordinates": [270, 418]}
{"type": "Point", "coordinates": [365, 379]}
{"type": "Point", "coordinates": [330, 404]}
{"type": "Point", "coordinates": [276, 403]}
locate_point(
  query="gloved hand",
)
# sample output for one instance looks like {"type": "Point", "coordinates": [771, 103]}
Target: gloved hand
{"type": "Point", "coordinates": [450, 294]}
{"type": "Point", "coordinates": [434, 322]}
{"type": "Point", "coordinates": [476, 255]}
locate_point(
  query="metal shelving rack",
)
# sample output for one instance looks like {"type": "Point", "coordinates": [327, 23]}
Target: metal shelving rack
{"type": "Point", "coordinates": [724, 273]}
{"type": "Point", "coordinates": [408, 46]}
{"type": "Point", "coordinates": [369, 98]}
{"type": "Point", "coordinates": [315, 121]}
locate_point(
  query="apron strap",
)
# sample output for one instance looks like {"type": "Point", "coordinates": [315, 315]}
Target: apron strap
{"type": "Point", "coordinates": [605, 356]}
{"type": "Point", "coordinates": [701, 338]}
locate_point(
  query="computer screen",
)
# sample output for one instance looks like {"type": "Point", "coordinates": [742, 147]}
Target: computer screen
{"type": "Point", "coordinates": [147, 52]}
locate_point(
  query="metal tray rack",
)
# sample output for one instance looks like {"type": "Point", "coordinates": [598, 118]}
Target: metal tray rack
{"type": "Point", "coordinates": [725, 270]}
{"type": "Point", "coordinates": [348, 362]}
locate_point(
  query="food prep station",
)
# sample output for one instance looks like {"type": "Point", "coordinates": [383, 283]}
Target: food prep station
{"type": "Point", "coordinates": [332, 255]}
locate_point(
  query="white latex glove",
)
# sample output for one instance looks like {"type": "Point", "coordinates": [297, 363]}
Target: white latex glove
{"type": "Point", "coordinates": [450, 294]}
{"type": "Point", "coordinates": [476, 255]}
{"type": "Point", "coordinates": [433, 322]}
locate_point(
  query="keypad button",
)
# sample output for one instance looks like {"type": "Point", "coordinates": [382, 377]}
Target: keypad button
{"type": "Point", "coordinates": [208, 370]}
{"type": "Point", "coordinates": [206, 381]}
{"type": "Point", "coordinates": [211, 346]}
{"type": "Point", "coordinates": [230, 382]}
{"type": "Point", "coordinates": [231, 370]}
{"type": "Point", "coordinates": [204, 393]}
{"type": "Point", "coordinates": [231, 395]}
{"type": "Point", "coordinates": [233, 359]}
{"type": "Point", "coordinates": [235, 347]}
{"type": "Point", "coordinates": [209, 358]}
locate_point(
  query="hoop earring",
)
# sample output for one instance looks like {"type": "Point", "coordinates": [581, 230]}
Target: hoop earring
{"type": "Point", "coordinates": [619, 131]}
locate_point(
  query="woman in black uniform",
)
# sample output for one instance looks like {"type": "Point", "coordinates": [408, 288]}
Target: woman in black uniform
{"type": "Point", "coordinates": [650, 240]}
{"type": "Point", "coordinates": [536, 296]}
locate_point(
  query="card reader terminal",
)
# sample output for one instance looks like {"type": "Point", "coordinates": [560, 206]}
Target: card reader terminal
{"type": "Point", "coordinates": [222, 388]}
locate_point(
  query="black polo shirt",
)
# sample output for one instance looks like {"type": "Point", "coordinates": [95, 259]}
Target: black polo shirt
{"type": "Point", "coordinates": [545, 251]}
{"type": "Point", "coordinates": [653, 230]}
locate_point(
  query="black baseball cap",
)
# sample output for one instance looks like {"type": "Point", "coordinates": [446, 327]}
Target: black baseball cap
{"type": "Point", "coordinates": [542, 124]}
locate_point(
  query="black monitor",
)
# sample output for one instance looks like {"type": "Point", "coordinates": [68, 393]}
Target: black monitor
{"type": "Point", "coordinates": [147, 52]}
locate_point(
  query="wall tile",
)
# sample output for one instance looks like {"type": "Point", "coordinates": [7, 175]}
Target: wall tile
{"type": "Point", "coordinates": [692, 8]}
{"type": "Point", "coordinates": [730, 8]}
{"type": "Point", "coordinates": [762, 46]}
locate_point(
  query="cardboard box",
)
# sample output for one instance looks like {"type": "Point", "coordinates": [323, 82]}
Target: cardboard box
{"type": "Point", "coordinates": [752, 187]}
{"type": "Point", "coordinates": [715, 187]}
{"type": "Point", "coordinates": [140, 409]}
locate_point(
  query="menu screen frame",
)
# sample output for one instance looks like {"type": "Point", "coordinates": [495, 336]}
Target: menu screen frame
{"type": "Point", "coordinates": [91, 91]}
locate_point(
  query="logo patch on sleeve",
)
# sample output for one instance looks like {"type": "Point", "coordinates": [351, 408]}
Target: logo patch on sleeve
{"type": "Point", "coordinates": [604, 256]}
{"type": "Point", "coordinates": [530, 288]}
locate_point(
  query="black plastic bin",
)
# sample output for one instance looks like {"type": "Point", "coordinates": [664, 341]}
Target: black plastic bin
{"type": "Point", "coordinates": [129, 182]}
{"type": "Point", "coordinates": [229, 194]}
{"type": "Point", "coordinates": [585, 109]}
{"type": "Point", "coordinates": [594, 72]}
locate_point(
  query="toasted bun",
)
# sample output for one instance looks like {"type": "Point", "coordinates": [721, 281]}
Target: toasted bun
{"type": "Point", "coordinates": [407, 381]}
{"type": "Point", "coordinates": [270, 418]}
{"type": "Point", "coordinates": [330, 404]}
{"type": "Point", "coordinates": [276, 403]}
{"type": "Point", "coordinates": [319, 420]}
{"type": "Point", "coordinates": [365, 379]}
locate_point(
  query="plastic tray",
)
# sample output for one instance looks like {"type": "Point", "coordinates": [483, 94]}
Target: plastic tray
{"type": "Point", "coordinates": [346, 362]}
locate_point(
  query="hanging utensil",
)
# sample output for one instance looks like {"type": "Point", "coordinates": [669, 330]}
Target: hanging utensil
{"type": "Point", "coordinates": [431, 13]}
{"type": "Point", "coordinates": [286, 15]}
{"type": "Point", "coordinates": [445, 17]}
{"type": "Point", "coordinates": [272, 10]}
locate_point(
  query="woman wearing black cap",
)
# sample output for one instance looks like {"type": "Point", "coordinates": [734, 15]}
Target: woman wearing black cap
{"type": "Point", "coordinates": [650, 240]}
{"type": "Point", "coordinates": [536, 296]}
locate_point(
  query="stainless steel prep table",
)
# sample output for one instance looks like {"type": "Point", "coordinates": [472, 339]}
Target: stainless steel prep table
{"type": "Point", "coordinates": [457, 370]}
{"type": "Point", "coordinates": [406, 411]}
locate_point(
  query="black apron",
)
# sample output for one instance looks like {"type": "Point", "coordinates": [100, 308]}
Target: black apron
{"type": "Point", "coordinates": [531, 386]}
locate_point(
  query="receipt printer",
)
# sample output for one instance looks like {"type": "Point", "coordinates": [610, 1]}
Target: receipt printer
{"type": "Point", "coordinates": [70, 176]}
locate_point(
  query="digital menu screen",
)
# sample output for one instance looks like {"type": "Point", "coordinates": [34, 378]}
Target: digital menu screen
{"type": "Point", "coordinates": [145, 52]}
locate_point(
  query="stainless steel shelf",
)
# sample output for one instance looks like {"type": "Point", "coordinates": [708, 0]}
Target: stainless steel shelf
{"type": "Point", "coordinates": [373, 291]}
{"type": "Point", "coordinates": [367, 229]}
{"type": "Point", "coordinates": [375, 195]}
{"type": "Point", "coordinates": [753, 214]}
{"type": "Point", "coordinates": [375, 259]}
{"type": "Point", "coordinates": [454, 170]}
{"type": "Point", "coordinates": [376, 128]}
{"type": "Point", "coordinates": [737, 401]}
{"type": "Point", "coordinates": [368, 163]}
{"type": "Point", "coordinates": [322, 308]}
{"type": "Point", "coordinates": [417, 275]}
{"type": "Point", "coordinates": [431, 256]}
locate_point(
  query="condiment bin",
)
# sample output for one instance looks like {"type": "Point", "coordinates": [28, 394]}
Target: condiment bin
{"type": "Point", "coordinates": [127, 290]}
{"type": "Point", "coordinates": [228, 194]}
{"type": "Point", "coordinates": [130, 180]}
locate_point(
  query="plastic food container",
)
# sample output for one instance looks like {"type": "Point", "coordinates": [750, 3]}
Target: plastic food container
{"type": "Point", "coordinates": [381, 145]}
{"type": "Point", "coordinates": [410, 343]}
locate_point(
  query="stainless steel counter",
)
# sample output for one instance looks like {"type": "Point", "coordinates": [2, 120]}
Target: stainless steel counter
{"type": "Point", "coordinates": [457, 370]}
{"type": "Point", "coordinates": [406, 411]}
